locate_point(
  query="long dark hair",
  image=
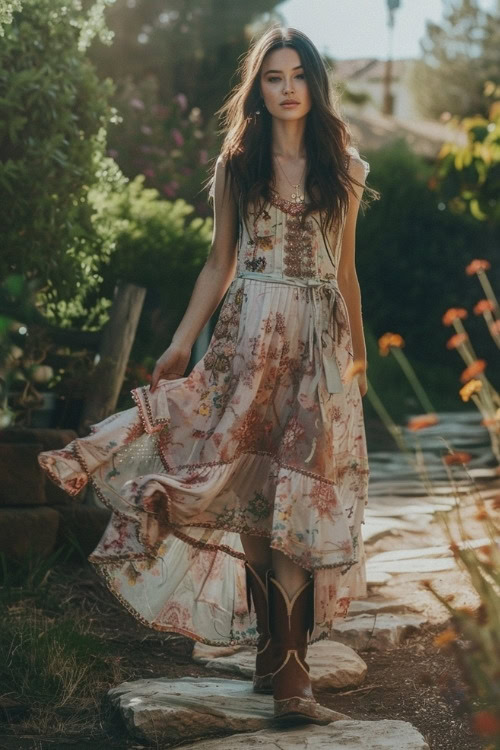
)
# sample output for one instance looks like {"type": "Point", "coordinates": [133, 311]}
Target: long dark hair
{"type": "Point", "coordinates": [246, 148]}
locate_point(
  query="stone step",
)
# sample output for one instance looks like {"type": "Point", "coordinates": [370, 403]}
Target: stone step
{"type": "Point", "coordinates": [163, 710]}
{"type": "Point", "coordinates": [333, 665]}
{"type": "Point", "coordinates": [376, 632]}
{"type": "Point", "coordinates": [386, 734]}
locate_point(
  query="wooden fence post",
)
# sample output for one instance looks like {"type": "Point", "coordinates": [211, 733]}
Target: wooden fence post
{"type": "Point", "coordinates": [116, 343]}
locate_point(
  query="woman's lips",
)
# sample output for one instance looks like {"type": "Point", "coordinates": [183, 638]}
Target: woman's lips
{"type": "Point", "coordinates": [291, 104]}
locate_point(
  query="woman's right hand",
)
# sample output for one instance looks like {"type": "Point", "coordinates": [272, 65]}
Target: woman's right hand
{"type": "Point", "coordinates": [171, 365]}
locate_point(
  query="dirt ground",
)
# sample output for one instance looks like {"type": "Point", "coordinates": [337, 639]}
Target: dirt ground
{"type": "Point", "coordinates": [414, 682]}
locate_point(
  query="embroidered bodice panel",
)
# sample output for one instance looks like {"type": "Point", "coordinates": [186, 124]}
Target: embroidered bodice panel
{"type": "Point", "coordinates": [276, 242]}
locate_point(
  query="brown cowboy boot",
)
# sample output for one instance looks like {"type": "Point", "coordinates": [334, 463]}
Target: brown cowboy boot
{"type": "Point", "coordinates": [290, 622]}
{"type": "Point", "coordinates": [263, 665]}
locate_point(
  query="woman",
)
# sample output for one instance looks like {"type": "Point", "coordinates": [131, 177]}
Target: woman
{"type": "Point", "coordinates": [245, 482]}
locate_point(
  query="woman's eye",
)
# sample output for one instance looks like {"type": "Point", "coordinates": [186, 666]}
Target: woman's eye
{"type": "Point", "coordinates": [276, 78]}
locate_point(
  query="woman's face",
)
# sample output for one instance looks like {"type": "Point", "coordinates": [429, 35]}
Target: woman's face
{"type": "Point", "coordinates": [282, 78]}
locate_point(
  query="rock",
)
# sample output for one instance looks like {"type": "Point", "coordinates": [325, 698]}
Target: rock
{"type": "Point", "coordinates": [377, 632]}
{"type": "Point", "coordinates": [430, 565]}
{"type": "Point", "coordinates": [23, 481]}
{"type": "Point", "coordinates": [333, 664]}
{"type": "Point", "coordinates": [419, 559]}
{"type": "Point", "coordinates": [364, 606]}
{"type": "Point", "coordinates": [189, 708]}
{"type": "Point", "coordinates": [162, 710]}
{"type": "Point", "coordinates": [49, 439]}
{"type": "Point", "coordinates": [28, 531]}
{"type": "Point", "coordinates": [376, 577]}
{"type": "Point", "coordinates": [340, 735]}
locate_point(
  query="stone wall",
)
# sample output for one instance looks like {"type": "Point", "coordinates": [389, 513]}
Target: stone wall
{"type": "Point", "coordinates": [36, 516]}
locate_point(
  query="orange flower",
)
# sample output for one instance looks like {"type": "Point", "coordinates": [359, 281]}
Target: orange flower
{"type": "Point", "coordinates": [452, 313]}
{"type": "Point", "coordinates": [482, 306]}
{"type": "Point", "coordinates": [486, 723]}
{"type": "Point", "coordinates": [495, 327]}
{"type": "Point", "coordinates": [389, 339]}
{"type": "Point", "coordinates": [481, 515]}
{"type": "Point", "coordinates": [457, 457]}
{"type": "Point", "coordinates": [455, 341]}
{"type": "Point", "coordinates": [422, 421]}
{"type": "Point", "coordinates": [473, 386]}
{"type": "Point", "coordinates": [472, 370]}
{"type": "Point", "coordinates": [356, 367]}
{"type": "Point", "coordinates": [445, 637]}
{"type": "Point", "coordinates": [477, 265]}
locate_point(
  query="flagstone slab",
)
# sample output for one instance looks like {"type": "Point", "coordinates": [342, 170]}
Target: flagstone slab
{"type": "Point", "coordinates": [375, 577]}
{"type": "Point", "coordinates": [370, 606]}
{"type": "Point", "coordinates": [424, 565]}
{"type": "Point", "coordinates": [332, 664]}
{"type": "Point", "coordinates": [376, 632]}
{"type": "Point", "coordinates": [163, 710]}
{"type": "Point", "coordinates": [387, 734]}
{"type": "Point", "coordinates": [186, 708]}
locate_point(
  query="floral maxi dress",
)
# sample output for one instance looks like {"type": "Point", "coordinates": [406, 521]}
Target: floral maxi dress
{"type": "Point", "coordinates": [265, 436]}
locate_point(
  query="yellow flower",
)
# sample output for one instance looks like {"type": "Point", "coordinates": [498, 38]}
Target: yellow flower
{"type": "Point", "coordinates": [204, 410]}
{"type": "Point", "coordinates": [473, 386]}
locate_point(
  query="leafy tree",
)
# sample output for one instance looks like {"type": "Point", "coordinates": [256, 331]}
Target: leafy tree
{"type": "Point", "coordinates": [458, 58]}
{"type": "Point", "coordinates": [468, 176]}
{"type": "Point", "coordinates": [412, 252]}
{"type": "Point", "coordinates": [7, 9]}
{"type": "Point", "coordinates": [189, 46]}
{"type": "Point", "coordinates": [54, 111]}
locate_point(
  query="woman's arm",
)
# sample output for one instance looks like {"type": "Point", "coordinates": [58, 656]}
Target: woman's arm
{"type": "Point", "coordinates": [346, 273]}
{"type": "Point", "coordinates": [218, 271]}
{"type": "Point", "coordinates": [211, 284]}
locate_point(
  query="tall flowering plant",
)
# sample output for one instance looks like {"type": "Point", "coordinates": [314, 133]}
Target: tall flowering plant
{"type": "Point", "coordinates": [473, 634]}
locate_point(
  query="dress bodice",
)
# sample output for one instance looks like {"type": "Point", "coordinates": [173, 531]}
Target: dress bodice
{"type": "Point", "coordinates": [274, 241]}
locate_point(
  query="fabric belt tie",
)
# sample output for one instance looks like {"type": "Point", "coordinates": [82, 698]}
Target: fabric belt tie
{"type": "Point", "coordinates": [329, 362]}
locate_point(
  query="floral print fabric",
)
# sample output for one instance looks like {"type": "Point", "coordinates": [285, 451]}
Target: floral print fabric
{"type": "Point", "coordinates": [254, 440]}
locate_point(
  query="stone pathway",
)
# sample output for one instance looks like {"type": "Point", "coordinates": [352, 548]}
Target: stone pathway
{"type": "Point", "coordinates": [172, 710]}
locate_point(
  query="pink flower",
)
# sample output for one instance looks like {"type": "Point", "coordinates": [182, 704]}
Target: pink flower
{"type": "Point", "coordinates": [171, 188]}
{"type": "Point", "coordinates": [177, 136]}
{"type": "Point", "coordinates": [146, 130]}
{"type": "Point", "coordinates": [113, 153]}
{"type": "Point", "coordinates": [136, 103]}
{"type": "Point", "coordinates": [182, 101]}
{"type": "Point", "coordinates": [203, 156]}
{"type": "Point", "coordinates": [149, 172]}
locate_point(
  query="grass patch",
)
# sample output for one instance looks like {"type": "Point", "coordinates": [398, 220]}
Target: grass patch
{"type": "Point", "coordinates": [54, 671]}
